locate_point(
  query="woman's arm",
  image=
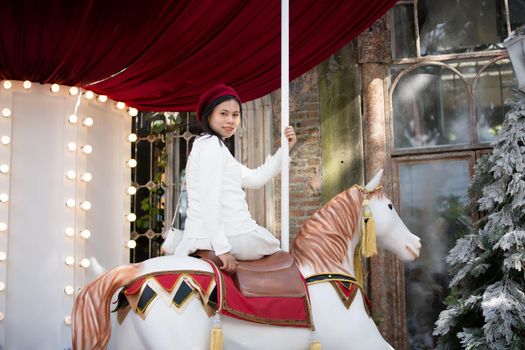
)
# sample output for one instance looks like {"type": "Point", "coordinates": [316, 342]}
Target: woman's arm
{"type": "Point", "coordinates": [256, 178]}
{"type": "Point", "coordinates": [211, 169]}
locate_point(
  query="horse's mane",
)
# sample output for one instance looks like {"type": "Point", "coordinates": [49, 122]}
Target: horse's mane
{"type": "Point", "coordinates": [323, 241]}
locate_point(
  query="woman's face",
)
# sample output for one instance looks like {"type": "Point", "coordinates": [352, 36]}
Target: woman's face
{"type": "Point", "coordinates": [225, 118]}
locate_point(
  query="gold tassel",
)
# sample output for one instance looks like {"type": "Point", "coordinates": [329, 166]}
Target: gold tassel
{"type": "Point", "coordinates": [316, 345]}
{"type": "Point", "coordinates": [216, 335]}
{"type": "Point", "coordinates": [368, 240]}
{"type": "Point", "coordinates": [358, 266]}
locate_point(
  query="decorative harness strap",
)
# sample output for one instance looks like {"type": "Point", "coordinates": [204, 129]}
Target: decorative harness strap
{"type": "Point", "coordinates": [329, 277]}
{"type": "Point", "coordinates": [346, 287]}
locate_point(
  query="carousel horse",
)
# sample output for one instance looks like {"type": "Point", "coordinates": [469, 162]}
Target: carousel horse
{"type": "Point", "coordinates": [323, 251]}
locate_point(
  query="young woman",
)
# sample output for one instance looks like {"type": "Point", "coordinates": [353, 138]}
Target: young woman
{"type": "Point", "coordinates": [218, 218]}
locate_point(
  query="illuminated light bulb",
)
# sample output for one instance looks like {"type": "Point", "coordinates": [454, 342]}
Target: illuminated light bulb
{"type": "Point", "coordinates": [69, 260]}
{"type": "Point", "coordinates": [5, 140]}
{"type": "Point", "coordinates": [121, 105]}
{"type": "Point", "coordinates": [131, 244]}
{"type": "Point", "coordinates": [86, 177]}
{"type": "Point", "coordinates": [3, 226]}
{"type": "Point", "coordinates": [6, 112]}
{"type": "Point", "coordinates": [4, 197]}
{"type": "Point", "coordinates": [2, 286]}
{"type": "Point", "coordinates": [4, 168]}
{"type": "Point", "coordinates": [72, 118]}
{"type": "Point", "coordinates": [7, 84]}
{"type": "Point", "coordinates": [70, 203]}
{"type": "Point", "coordinates": [71, 174]}
{"type": "Point", "coordinates": [67, 320]}
{"type": "Point", "coordinates": [70, 231]}
{"type": "Point", "coordinates": [85, 205]}
{"type": "Point", "coordinates": [87, 149]}
{"type": "Point", "coordinates": [85, 263]}
{"type": "Point", "coordinates": [89, 95]}
{"type": "Point", "coordinates": [132, 217]}
{"type": "Point", "coordinates": [55, 88]}
{"type": "Point", "coordinates": [69, 290]}
{"type": "Point", "coordinates": [73, 91]}
{"type": "Point", "coordinates": [87, 121]}
{"type": "Point", "coordinates": [85, 234]}
{"type": "Point", "coordinates": [132, 137]}
{"type": "Point", "coordinates": [72, 146]}
{"type": "Point", "coordinates": [132, 190]}
{"type": "Point", "coordinates": [3, 256]}
{"type": "Point", "coordinates": [102, 98]}
{"type": "Point", "coordinates": [133, 112]}
{"type": "Point", "coordinates": [132, 163]}
{"type": "Point", "coordinates": [27, 85]}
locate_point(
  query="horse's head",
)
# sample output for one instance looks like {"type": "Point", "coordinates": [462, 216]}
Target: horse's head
{"type": "Point", "coordinates": [327, 241]}
{"type": "Point", "coordinates": [392, 233]}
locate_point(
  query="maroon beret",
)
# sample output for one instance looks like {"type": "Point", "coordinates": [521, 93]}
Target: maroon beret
{"type": "Point", "coordinates": [212, 94]}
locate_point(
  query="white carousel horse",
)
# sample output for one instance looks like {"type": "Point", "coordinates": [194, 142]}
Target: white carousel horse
{"type": "Point", "coordinates": [325, 244]}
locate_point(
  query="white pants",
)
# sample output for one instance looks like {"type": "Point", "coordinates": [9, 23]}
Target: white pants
{"type": "Point", "coordinates": [247, 246]}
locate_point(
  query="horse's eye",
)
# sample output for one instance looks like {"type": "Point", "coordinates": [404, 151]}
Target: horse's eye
{"type": "Point", "coordinates": [390, 206]}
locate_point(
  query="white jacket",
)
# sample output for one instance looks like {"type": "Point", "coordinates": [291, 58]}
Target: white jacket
{"type": "Point", "coordinates": [217, 205]}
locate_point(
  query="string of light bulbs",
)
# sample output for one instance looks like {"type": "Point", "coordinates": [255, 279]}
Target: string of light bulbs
{"type": "Point", "coordinates": [132, 189]}
{"type": "Point", "coordinates": [73, 229]}
{"type": "Point", "coordinates": [5, 161]}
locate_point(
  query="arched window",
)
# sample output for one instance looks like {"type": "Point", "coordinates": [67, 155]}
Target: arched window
{"type": "Point", "coordinates": [430, 106]}
{"type": "Point", "coordinates": [493, 87]}
{"type": "Point", "coordinates": [449, 81]}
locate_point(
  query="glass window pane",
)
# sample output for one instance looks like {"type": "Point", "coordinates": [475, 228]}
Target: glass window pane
{"type": "Point", "coordinates": [451, 26]}
{"type": "Point", "coordinates": [156, 242]}
{"type": "Point", "coordinates": [517, 13]}
{"type": "Point", "coordinates": [494, 88]}
{"type": "Point", "coordinates": [430, 108]}
{"type": "Point", "coordinates": [143, 155]}
{"type": "Point", "coordinates": [469, 68]}
{"type": "Point", "coordinates": [403, 32]}
{"type": "Point", "coordinates": [394, 71]}
{"type": "Point", "coordinates": [142, 251]}
{"type": "Point", "coordinates": [433, 198]}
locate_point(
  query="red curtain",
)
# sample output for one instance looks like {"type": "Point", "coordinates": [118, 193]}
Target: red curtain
{"type": "Point", "coordinates": [162, 54]}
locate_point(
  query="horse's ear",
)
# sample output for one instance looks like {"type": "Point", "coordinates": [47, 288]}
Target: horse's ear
{"type": "Point", "coordinates": [376, 180]}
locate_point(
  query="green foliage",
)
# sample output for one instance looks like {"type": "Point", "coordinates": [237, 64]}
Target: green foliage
{"type": "Point", "coordinates": [151, 210]}
{"type": "Point", "coordinates": [161, 123]}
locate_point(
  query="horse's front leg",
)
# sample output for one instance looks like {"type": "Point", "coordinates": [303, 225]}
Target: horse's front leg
{"type": "Point", "coordinates": [339, 328]}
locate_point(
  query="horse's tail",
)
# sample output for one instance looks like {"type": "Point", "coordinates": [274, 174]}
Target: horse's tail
{"type": "Point", "coordinates": [91, 312]}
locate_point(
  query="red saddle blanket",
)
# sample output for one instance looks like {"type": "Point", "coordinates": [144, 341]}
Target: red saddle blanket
{"type": "Point", "coordinates": [278, 311]}
{"type": "Point", "coordinates": [217, 291]}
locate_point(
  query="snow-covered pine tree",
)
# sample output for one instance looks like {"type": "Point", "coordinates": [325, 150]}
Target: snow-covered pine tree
{"type": "Point", "coordinates": [486, 308]}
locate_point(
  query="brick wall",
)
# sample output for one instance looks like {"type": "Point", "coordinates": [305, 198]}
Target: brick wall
{"type": "Point", "coordinates": [305, 167]}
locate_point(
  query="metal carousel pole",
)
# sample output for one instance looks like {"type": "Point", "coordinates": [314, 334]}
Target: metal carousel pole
{"type": "Point", "coordinates": [285, 116]}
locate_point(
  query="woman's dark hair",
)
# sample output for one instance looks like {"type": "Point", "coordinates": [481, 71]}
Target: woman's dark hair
{"type": "Point", "coordinates": [206, 114]}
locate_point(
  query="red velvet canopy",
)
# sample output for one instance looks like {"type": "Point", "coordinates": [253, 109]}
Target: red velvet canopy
{"type": "Point", "coordinates": [162, 54]}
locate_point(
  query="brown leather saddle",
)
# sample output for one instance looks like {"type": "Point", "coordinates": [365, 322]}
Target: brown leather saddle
{"type": "Point", "coordinates": [274, 275]}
